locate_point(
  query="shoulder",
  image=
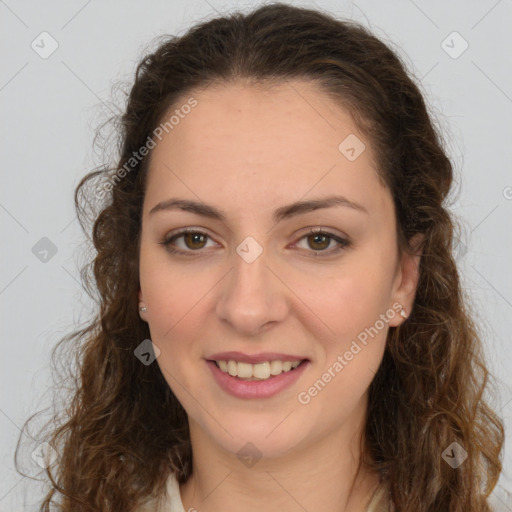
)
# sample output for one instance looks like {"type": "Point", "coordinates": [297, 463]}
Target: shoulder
{"type": "Point", "coordinates": [169, 502]}
{"type": "Point", "coordinates": [173, 497]}
{"type": "Point", "coordinates": [379, 502]}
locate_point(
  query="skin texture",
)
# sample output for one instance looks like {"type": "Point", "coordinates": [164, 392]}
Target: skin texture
{"type": "Point", "coordinates": [248, 150]}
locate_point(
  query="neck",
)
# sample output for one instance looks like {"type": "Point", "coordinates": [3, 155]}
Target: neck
{"type": "Point", "coordinates": [326, 474]}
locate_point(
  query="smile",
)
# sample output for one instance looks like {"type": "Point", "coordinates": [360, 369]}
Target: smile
{"type": "Point", "coordinates": [243, 381]}
{"type": "Point", "coordinates": [259, 371]}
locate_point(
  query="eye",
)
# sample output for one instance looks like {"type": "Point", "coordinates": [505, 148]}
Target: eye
{"type": "Point", "coordinates": [320, 241]}
{"type": "Point", "coordinates": [194, 240]}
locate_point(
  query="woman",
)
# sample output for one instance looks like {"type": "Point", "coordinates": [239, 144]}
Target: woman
{"type": "Point", "coordinates": [281, 323]}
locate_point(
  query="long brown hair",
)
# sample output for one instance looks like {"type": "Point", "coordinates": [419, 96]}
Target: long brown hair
{"type": "Point", "coordinates": [124, 430]}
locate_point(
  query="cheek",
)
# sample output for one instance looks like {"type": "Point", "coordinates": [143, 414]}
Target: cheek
{"type": "Point", "coordinates": [175, 298]}
{"type": "Point", "coordinates": [171, 292]}
{"type": "Point", "coordinates": [348, 360]}
{"type": "Point", "coordinates": [354, 313]}
{"type": "Point", "coordinates": [354, 298]}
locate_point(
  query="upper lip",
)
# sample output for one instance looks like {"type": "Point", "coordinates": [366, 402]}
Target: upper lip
{"type": "Point", "coordinates": [253, 358]}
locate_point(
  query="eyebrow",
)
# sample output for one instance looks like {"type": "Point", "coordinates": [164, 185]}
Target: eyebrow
{"type": "Point", "coordinates": [284, 212]}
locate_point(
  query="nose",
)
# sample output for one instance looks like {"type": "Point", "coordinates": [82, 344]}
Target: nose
{"type": "Point", "coordinates": [252, 296]}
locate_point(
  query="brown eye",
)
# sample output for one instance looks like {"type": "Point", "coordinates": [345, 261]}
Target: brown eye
{"type": "Point", "coordinates": [322, 243]}
{"type": "Point", "coordinates": [194, 240]}
{"type": "Point", "coordinates": [319, 241]}
{"type": "Point", "coordinates": [188, 242]}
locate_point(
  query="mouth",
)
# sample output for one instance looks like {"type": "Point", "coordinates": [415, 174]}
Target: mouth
{"type": "Point", "coordinates": [264, 370]}
{"type": "Point", "coordinates": [266, 376]}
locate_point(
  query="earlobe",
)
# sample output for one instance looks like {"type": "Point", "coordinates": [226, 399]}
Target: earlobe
{"type": "Point", "coordinates": [142, 307]}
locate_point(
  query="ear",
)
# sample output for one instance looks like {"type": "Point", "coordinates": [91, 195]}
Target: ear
{"type": "Point", "coordinates": [143, 314]}
{"type": "Point", "coordinates": [406, 280]}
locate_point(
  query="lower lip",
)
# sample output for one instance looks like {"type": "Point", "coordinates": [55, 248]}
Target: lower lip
{"type": "Point", "coordinates": [256, 388]}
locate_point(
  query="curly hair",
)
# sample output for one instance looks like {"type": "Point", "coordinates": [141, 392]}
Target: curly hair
{"type": "Point", "coordinates": [123, 431]}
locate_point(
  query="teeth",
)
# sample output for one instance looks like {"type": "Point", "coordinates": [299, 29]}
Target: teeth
{"type": "Point", "coordinates": [258, 371]}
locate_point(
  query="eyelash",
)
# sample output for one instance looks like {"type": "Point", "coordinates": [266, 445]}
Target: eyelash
{"type": "Point", "coordinates": [343, 242]}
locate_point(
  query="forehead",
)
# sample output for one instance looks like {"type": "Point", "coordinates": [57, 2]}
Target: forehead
{"type": "Point", "coordinates": [302, 116]}
{"type": "Point", "coordinates": [267, 141]}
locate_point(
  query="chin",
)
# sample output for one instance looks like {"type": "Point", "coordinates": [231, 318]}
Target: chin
{"type": "Point", "coordinates": [268, 439]}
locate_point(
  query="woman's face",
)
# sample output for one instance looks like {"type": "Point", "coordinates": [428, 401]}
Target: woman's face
{"type": "Point", "coordinates": [249, 278]}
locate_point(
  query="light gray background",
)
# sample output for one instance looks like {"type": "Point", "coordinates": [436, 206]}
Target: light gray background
{"type": "Point", "coordinates": [50, 108]}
